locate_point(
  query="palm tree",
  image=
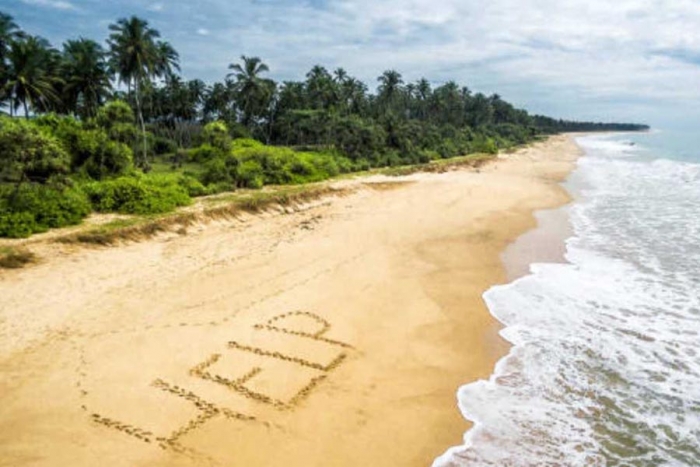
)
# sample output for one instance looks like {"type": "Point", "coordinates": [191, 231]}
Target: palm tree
{"type": "Point", "coordinates": [136, 57]}
{"type": "Point", "coordinates": [196, 90]}
{"type": "Point", "coordinates": [9, 32]}
{"type": "Point", "coordinates": [389, 87]}
{"type": "Point", "coordinates": [354, 95]}
{"type": "Point", "coordinates": [167, 59]}
{"type": "Point", "coordinates": [31, 79]}
{"type": "Point", "coordinates": [340, 75]}
{"type": "Point", "coordinates": [423, 93]}
{"type": "Point", "coordinates": [86, 76]}
{"type": "Point", "coordinates": [250, 88]}
{"type": "Point", "coordinates": [320, 88]}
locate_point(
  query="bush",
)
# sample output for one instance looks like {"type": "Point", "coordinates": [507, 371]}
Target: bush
{"type": "Point", "coordinates": [205, 153]}
{"type": "Point", "coordinates": [216, 134]}
{"type": "Point", "coordinates": [115, 112]}
{"type": "Point", "coordinates": [118, 120]}
{"type": "Point", "coordinates": [164, 146]}
{"type": "Point", "coordinates": [221, 170]}
{"type": "Point", "coordinates": [126, 133]}
{"type": "Point", "coordinates": [17, 224]}
{"type": "Point", "coordinates": [242, 143]}
{"type": "Point", "coordinates": [216, 188]}
{"type": "Point", "coordinates": [251, 164]}
{"type": "Point", "coordinates": [137, 195]}
{"type": "Point", "coordinates": [90, 147]}
{"type": "Point", "coordinates": [250, 175]}
{"type": "Point", "coordinates": [100, 157]}
{"type": "Point", "coordinates": [28, 153]}
{"type": "Point", "coordinates": [192, 186]}
{"type": "Point", "coordinates": [485, 144]}
{"type": "Point", "coordinates": [447, 149]}
{"type": "Point", "coordinates": [37, 208]}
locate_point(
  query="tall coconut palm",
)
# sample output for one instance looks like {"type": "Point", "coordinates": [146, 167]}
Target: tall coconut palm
{"type": "Point", "coordinates": [320, 88]}
{"type": "Point", "coordinates": [136, 58]}
{"type": "Point", "coordinates": [167, 60]}
{"type": "Point", "coordinates": [340, 75]}
{"type": "Point", "coordinates": [354, 95]}
{"type": "Point", "coordinates": [31, 75]}
{"type": "Point", "coordinates": [196, 90]}
{"type": "Point", "coordinates": [86, 76]}
{"type": "Point", "coordinates": [9, 32]}
{"type": "Point", "coordinates": [251, 90]}
{"type": "Point", "coordinates": [389, 88]}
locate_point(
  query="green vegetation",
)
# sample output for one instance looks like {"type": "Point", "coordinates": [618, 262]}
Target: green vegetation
{"type": "Point", "coordinates": [115, 129]}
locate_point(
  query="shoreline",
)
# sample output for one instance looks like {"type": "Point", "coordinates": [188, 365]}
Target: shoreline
{"type": "Point", "coordinates": [373, 299]}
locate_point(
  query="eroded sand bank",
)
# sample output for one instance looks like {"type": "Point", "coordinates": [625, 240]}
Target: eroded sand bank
{"type": "Point", "coordinates": [337, 335]}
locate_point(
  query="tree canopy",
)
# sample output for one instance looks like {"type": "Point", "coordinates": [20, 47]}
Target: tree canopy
{"type": "Point", "coordinates": [116, 127]}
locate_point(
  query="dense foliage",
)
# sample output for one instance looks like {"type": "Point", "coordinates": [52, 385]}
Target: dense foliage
{"type": "Point", "coordinates": [115, 129]}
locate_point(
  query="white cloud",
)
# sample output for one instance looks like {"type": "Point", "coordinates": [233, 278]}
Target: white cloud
{"type": "Point", "coordinates": [58, 4]}
{"type": "Point", "coordinates": [571, 57]}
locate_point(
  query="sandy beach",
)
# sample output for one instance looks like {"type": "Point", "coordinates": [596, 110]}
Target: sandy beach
{"type": "Point", "coordinates": [335, 335]}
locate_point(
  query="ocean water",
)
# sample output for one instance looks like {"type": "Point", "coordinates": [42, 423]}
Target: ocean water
{"type": "Point", "coordinates": [605, 364]}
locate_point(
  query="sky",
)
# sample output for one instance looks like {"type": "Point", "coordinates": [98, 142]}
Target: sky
{"type": "Point", "coordinates": [603, 60]}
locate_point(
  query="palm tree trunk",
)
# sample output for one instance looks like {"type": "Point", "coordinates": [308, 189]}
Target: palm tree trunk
{"type": "Point", "coordinates": [26, 110]}
{"type": "Point", "coordinates": [144, 160]}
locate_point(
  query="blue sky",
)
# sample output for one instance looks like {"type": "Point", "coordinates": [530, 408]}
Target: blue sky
{"type": "Point", "coordinates": [586, 59]}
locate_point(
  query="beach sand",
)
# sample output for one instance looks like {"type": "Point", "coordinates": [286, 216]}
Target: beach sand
{"type": "Point", "coordinates": [336, 335]}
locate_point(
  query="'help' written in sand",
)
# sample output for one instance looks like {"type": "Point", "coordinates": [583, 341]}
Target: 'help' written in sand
{"type": "Point", "coordinates": [244, 382]}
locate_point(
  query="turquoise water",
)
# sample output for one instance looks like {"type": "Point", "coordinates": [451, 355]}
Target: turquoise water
{"type": "Point", "coordinates": [681, 145]}
{"type": "Point", "coordinates": [605, 364]}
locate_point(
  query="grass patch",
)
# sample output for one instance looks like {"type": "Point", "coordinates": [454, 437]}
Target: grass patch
{"type": "Point", "coordinates": [15, 258]}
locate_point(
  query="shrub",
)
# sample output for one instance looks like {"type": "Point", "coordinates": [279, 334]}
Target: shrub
{"type": "Point", "coordinates": [37, 208]}
{"type": "Point", "coordinates": [242, 143]}
{"type": "Point", "coordinates": [430, 155]}
{"type": "Point", "coordinates": [17, 224]}
{"type": "Point", "coordinates": [117, 119]}
{"type": "Point", "coordinates": [220, 169]}
{"type": "Point", "coordinates": [250, 175]}
{"type": "Point", "coordinates": [205, 153]}
{"type": "Point", "coordinates": [113, 113]}
{"type": "Point", "coordinates": [89, 146]}
{"type": "Point", "coordinates": [216, 134]}
{"type": "Point", "coordinates": [100, 157]}
{"type": "Point", "coordinates": [164, 145]}
{"type": "Point", "coordinates": [29, 154]}
{"type": "Point", "coordinates": [192, 186]}
{"type": "Point", "coordinates": [215, 188]}
{"type": "Point", "coordinates": [137, 195]}
{"type": "Point", "coordinates": [447, 149]}
{"type": "Point", "coordinates": [126, 133]}
{"type": "Point", "coordinates": [485, 144]}
{"type": "Point", "coordinates": [327, 165]}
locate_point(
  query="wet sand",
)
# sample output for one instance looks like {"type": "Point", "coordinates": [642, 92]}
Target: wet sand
{"type": "Point", "coordinates": [334, 335]}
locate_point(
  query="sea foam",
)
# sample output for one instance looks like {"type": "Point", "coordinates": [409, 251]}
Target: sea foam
{"type": "Point", "coordinates": [605, 364]}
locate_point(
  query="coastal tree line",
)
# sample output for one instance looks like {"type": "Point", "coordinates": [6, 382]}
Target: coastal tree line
{"type": "Point", "coordinates": [115, 127]}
